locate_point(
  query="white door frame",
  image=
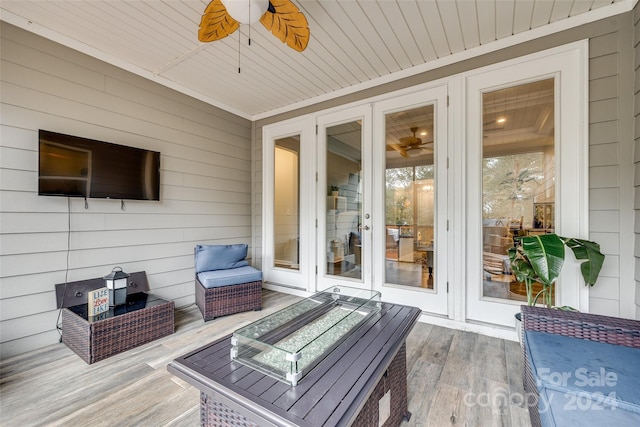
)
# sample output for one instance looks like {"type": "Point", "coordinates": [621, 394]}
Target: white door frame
{"type": "Point", "coordinates": [434, 301]}
{"type": "Point", "coordinates": [569, 65]}
{"type": "Point", "coordinates": [304, 278]}
{"type": "Point", "coordinates": [357, 113]}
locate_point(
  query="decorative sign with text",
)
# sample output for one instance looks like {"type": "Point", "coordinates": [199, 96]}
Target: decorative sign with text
{"type": "Point", "coordinates": [98, 301]}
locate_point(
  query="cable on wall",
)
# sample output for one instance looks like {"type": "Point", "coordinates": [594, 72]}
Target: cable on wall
{"type": "Point", "coordinates": [239, 52]}
{"type": "Point", "coordinates": [66, 271]}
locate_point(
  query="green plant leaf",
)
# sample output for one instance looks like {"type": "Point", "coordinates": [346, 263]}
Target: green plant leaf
{"type": "Point", "coordinates": [590, 258]}
{"type": "Point", "coordinates": [521, 269]}
{"type": "Point", "coordinates": [540, 258]}
{"type": "Point", "coordinates": [546, 255]}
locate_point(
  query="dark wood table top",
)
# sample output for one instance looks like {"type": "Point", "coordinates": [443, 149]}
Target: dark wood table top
{"type": "Point", "coordinates": [135, 302]}
{"type": "Point", "coordinates": [331, 394]}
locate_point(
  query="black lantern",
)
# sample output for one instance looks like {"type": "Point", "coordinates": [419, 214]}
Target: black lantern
{"type": "Point", "coordinates": [116, 282]}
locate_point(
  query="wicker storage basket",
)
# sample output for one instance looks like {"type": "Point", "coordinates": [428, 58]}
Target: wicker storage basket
{"type": "Point", "coordinates": [97, 340]}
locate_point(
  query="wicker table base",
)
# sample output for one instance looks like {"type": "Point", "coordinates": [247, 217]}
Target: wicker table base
{"type": "Point", "coordinates": [143, 319]}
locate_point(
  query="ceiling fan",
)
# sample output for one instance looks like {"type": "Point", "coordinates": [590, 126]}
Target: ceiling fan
{"type": "Point", "coordinates": [407, 143]}
{"type": "Point", "coordinates": [281, 17]}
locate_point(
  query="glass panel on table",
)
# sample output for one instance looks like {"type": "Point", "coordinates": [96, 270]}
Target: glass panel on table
{"type": "Point", "coordinates": [287, 344]}
{"type": "Point", "coordinates": [409, 197]}
{"type": "Point", "coordinates": [518, 177]}
{"type": "Point", "coordinates": [344, 200]}
{"type": "Point", "coordinates": [286, 203]}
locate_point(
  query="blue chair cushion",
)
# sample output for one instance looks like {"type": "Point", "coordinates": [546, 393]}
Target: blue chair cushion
{"type": "Point", "coordinates": [220, 257]}
{"type": "Point", "coordinates": [584, 382]}
{"type": "Point", "coordinates": [234, 276]}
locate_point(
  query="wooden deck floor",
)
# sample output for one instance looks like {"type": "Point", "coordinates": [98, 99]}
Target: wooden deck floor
{"type": "Point", "coordinates": [454, 378]}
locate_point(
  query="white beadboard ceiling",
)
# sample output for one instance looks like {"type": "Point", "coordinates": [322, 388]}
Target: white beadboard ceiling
{"type": "Point", "coordinates": [354, 44]}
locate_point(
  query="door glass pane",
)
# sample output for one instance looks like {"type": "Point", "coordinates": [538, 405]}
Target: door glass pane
{"type": "Point", "coordinates": [286, 197]}
{"type": "Point", "coordinates": [409, 197]}
{"type": "Point", "coordinates": [344, 239]}
{"type": "Point", "coordinates": [518, 177]}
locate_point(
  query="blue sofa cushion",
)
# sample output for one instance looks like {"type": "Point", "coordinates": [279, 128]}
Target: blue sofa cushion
{"type": "Point", "coordinates": [235, 276]}
{"type": "Point", "coordinates": [584, 382]}
{"type": "Point", "coordinates": [220, 257]}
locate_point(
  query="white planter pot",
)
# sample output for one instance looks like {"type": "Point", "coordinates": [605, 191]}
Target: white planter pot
{"type": "Point", "coordinates": [518, 317]}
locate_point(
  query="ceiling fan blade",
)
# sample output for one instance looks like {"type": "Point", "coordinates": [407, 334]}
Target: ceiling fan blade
{"type": "Point", "coordinates": [410, 140]}
{"type": "Point", "coordinates": [216, 23]}
{"type": "Point", "coordinates": [399, 149]}
{"type": "Point", "coordinates": [286, 22]}
{"type": "Point", "coordinates": [423, 144]}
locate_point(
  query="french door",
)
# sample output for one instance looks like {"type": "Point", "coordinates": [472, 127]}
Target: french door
{"type": "Point", "coordinates": [382, 223]}
{"type": "Point", "coordinates": [525, 173]}
{"type": "Point", "coordinates": [288, 212]}
{"type": "Point", "coordinates": [344, 203]}
{"type": "Point", "coordinates": [420, 193]}
{"type": "Point", "coordinates": [411, 200]}
{"type": "Point", "coordinates": [364, 202]}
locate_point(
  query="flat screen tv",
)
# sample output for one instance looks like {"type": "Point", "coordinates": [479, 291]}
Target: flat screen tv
{"type": "Point", "coordinates": [79, 167]}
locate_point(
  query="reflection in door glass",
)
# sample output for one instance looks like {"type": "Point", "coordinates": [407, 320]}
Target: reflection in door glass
{"type": "Point", "coordinates": [344, 239]}
{"type": "Point", "coordinates": [410, 198]}
{"type": "Point", "coordinates": [286, 197]}
{"type": "Point", "coordinates": [518, 178]}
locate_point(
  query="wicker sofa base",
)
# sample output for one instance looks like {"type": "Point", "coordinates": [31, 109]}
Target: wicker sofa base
{"type": "Point", "coordinates": [590, 327]}
{"type": "Point", "coordinates": [217, 414]}
{"type": "Point", "coordinates": [97, 340]}
{"type": "Point", "coordinates": [224, 300]}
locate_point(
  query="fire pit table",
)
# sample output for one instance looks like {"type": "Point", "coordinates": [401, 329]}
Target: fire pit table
{"type": "Point", "coordinates": [337, 358]}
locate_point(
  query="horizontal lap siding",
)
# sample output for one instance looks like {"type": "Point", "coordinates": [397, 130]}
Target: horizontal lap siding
{"type": "Point", "coordinates": [604, 166]}
{"type": "Point", "coordinates": [610, 174]}
{"type": "Point", "coordinates": [205, 183]}
{"type": "Point", "coordinates": [636, 117]}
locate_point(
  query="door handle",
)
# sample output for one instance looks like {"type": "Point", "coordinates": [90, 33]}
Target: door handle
{"type": "Point", "coordinates": [366, 227]}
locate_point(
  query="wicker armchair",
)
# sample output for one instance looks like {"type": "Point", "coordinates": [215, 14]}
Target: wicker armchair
{"type": "Point", "coordinates": [225, 283]}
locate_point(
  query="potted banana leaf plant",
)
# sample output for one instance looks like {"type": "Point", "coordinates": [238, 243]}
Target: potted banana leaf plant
{"type": "Point", "coordinates": [540, 259]}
